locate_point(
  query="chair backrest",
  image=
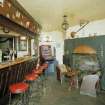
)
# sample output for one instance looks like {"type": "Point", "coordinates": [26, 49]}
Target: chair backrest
{"type": "Point", "coordinates": [88, 85]}
{"type": "Point", "coordinates": [92, 79]}
{"type": "Point", "coordinates": [62, 68]}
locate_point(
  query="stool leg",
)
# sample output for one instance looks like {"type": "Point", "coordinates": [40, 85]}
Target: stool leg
{"type": "Point", "coordinates": [36, 91]}
{"type": "Point", "coordinates": [25, 99]}
{"type": "Point", "coordinates": [31, 88]}
{"type": "Point", "coordinates": [10, 98]}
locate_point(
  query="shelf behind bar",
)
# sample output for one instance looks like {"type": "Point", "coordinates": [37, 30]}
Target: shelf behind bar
{"type": "Point", "coordinates": [4, 21]}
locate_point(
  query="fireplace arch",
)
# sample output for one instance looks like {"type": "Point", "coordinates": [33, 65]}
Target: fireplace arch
{"type": "Point", "coordinates": [85, 58]}
{"type": "Point", "coordinates": [84, 49]}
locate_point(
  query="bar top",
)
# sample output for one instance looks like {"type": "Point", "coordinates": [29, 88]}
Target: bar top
{"type": "Point", "coordinates": [16, 61]}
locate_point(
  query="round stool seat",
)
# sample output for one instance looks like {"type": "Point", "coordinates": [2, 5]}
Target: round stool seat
{"type": "Point", "coordinates": [38, 69]}
{"type": "Point", "coordinates": [45, 65]}
{"type": "Point", "coordinates": [31, 77]}
{"type": "Point", "coordinates": [38, 72]}
{"type": "Point", "coordinates": [41, 68]}
{"type": "Point", "coordinates": [18, 87]}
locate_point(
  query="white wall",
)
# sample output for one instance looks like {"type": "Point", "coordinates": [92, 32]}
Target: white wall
{"type": "Point", "coordinates": [57, 41]}
{"type": "Point", "coordinates": [93, 28]}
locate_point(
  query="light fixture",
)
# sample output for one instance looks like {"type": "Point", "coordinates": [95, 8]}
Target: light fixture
{"type": "Point", "coordinates": [22, 38]}
{"type": "Point", "coordinates": [82, 23]}
{"type": "Point", "coordinates": [65, 23]}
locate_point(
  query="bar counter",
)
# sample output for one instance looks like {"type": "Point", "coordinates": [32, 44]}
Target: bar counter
{"type": "Point", "coordinates": [13, 72]}
{"type": "Point", "coordinates": [14, 62]}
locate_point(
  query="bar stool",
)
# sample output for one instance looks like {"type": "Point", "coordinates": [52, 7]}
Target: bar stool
{"type": "Point", "coordinates": [31, 79]}
{"type": "Point", "coordinates": [45, 65]}
{"type": "Point", "coordinates": [39, 85]}
{"type": "Point", "coordinates": [45, 73]}
{"type": "Point", "coordinates": [21, 89]}
{"type": "Point", "coordinates": [34, 95]}
{"type": "Point", "coordinates": [39, 72]}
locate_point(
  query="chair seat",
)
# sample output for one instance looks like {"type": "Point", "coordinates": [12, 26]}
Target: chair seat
{"type": "Point", "coordinates": [18, 87]}
{"type": "Point", "coordinates": [31, 77]}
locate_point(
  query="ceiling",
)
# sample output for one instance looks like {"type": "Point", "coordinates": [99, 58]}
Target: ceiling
{"type": "Point", "coordinates": [49, 13]}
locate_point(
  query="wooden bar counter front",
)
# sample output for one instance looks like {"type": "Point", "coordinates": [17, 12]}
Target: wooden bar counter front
{"type": "Point", "coordinates": [12, 72]}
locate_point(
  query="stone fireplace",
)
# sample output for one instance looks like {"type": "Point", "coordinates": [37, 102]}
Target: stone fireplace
{"type": "Point", "coordinates": [85, 60]}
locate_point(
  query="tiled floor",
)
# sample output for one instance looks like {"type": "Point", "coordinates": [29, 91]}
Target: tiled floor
{"type": "Point", "coordinates": [56, 94]}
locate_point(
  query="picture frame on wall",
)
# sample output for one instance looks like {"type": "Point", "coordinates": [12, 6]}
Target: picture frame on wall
{"type": "Point", "coordinates": [23, 45]}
